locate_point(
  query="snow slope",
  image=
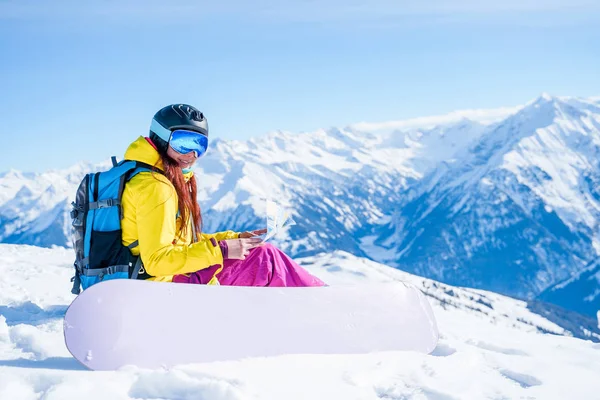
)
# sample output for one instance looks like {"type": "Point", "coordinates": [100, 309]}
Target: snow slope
{"type": "Point", "coordinates": [491, 346]}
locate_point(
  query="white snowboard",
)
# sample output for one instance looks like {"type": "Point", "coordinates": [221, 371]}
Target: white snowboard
{"type": "Point", "coordinates": [155, 324]}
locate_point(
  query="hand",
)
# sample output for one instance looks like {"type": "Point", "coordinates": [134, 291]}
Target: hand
{"type": "Point", "coordinates": [249, 234]}
{"type": "Point", "coordinates": [238, 249]}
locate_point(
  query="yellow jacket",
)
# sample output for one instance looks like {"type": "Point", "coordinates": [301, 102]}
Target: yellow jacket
{"type": "Point", "coordinates": [150, 215]}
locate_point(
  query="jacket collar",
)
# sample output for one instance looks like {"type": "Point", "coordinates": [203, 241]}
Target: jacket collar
{"type": "Point", "coordinates": [142, 149]}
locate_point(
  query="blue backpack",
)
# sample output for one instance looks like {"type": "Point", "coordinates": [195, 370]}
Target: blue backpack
{"type": "Point", "coordinates": [96, 214]}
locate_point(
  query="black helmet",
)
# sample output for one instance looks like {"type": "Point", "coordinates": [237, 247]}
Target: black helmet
{"type": "Point", "coordinates": [176, 116]}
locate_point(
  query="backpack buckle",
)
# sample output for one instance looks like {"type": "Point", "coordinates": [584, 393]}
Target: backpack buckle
{"type": "Point", "coordinates": [108, 203]}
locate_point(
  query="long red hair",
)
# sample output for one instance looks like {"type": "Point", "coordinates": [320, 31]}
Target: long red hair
{"type": "Point", "coordinates": [186, 196]}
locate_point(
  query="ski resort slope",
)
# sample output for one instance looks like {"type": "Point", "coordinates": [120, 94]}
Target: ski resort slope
{"type": "Point", "coordinates": [491, 346]}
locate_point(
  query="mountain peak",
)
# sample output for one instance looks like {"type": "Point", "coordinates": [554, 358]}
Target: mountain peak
{"type": "Point", "coordinates": [541, 111]}
{"type": "Point", "coordinates": [13, 173]}
{"type": "Point", "coordinates": [541, 100]}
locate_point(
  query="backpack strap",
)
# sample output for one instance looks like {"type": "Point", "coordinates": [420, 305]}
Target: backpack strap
{"type": "Point", "coordinates": [104, 203]}
{"type": "Point", "coordinates": [140, 164]}
{"type": "Point", "coordinates": [104, 271]}
{"type": "Point", "coordinates": [76, 282]}
{"type": "Point", "coordinates": [79, 270]}
{"type": "Point", "coordinates": [138, 263]}
{"type": "Point", "coordinates": [137, 267]}
{"type": "Point", "coordinates": [96, 182]}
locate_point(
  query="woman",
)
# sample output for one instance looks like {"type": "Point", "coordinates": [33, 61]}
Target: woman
{"type": "Point", "coordinates": [160, 211]}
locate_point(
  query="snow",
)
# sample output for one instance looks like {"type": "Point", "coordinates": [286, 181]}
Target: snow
{"type": "Point", "coordinates": [491, 346]}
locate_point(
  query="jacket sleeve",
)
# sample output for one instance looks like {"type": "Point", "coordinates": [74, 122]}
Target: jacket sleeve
{"type": "Point", "coordinates": [156, 222]}
{"type": "Point", "coordinates": [221, 235]}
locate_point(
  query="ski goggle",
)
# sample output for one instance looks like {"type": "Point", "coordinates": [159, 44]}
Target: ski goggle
{"type": "Point", "coordinates": [184, 142]}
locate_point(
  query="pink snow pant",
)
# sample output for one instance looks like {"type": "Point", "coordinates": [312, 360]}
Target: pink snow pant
{"type": "Point", "coordinates": [266, 265]}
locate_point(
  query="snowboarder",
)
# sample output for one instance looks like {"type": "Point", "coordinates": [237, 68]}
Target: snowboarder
{"type": "Point", "coordinates": [162, 220]}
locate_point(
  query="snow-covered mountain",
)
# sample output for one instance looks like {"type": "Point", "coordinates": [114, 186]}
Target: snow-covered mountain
{"type": "Point", "coordinates": [335, 180]}
{"type": "Point", "coordinates": [504, 200]}
{"type": "Point", "coordinates": [490, 346]}
{"type": "Point", "coordinates": [516, 212]}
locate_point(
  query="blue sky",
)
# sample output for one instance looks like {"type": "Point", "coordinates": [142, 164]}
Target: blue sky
{"type": "Point", "coordinates": [80, 82]}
